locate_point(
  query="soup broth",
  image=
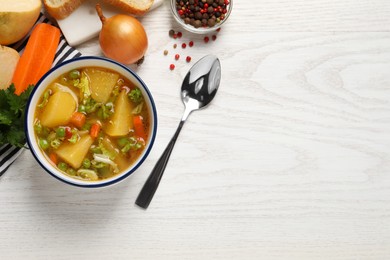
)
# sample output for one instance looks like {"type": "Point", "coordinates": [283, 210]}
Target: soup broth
{"type": "Point", "coordinates": [92, 123]}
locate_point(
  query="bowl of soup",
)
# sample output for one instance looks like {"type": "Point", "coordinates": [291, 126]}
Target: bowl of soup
{"type": "Point", "coordinates": [90, 122]}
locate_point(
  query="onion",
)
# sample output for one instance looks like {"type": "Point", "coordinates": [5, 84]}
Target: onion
{"type": "Point", "coordinates": [122, 38]}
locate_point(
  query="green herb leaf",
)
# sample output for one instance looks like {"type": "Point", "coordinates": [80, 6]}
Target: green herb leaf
{"type": "Point", "coordinates": [136, 95]}
{"type": "Point", "coordinates": [12, 109]}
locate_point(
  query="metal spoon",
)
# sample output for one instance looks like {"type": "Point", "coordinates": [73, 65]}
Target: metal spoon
{"type": "Point", "coordinates": [198, 89]}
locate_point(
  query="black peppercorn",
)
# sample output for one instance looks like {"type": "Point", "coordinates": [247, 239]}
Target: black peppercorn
{"type": "Point", "coordinates": [197, 23]}
{"type": "Point", "coordinates": [198, 15]}
{"type": "Point", "coordinates": [211, 22]}
{"type": "Point", "coordinates": [187, 20]}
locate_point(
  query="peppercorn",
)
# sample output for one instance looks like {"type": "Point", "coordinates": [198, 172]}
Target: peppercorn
{"type": "Point", "coordinates": [197, 23]}
{"type": "Point", "coordinates": [191, 43]}
{"type": "Point", "coordinates": [206, 39]}
{"type": "Point", "coordinates": [171, 33]}
{"type": "Point", "coordinates": [177, 56]}
{"type": "Point", "coordinates": [172, 66]}
{"type": "Point", "coordinates": [211, 22]}
{"type": "Point", "coordinates": [188, 59]}
{"type": "Point", "coordinates": [166, 52]}
{"type": "Point", "coordinates": [202, 13]}
{"type": "Point", "coordinates": [184, 45]}
{"type": "Point", "coordinates": [198, 15]}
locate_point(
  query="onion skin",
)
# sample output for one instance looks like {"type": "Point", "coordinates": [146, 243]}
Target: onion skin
{"type": "Point", "coordinates": [122, 38]}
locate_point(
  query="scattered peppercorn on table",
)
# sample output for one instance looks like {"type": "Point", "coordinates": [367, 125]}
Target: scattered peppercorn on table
{"type": "Point", "coordinates": [290, 161]}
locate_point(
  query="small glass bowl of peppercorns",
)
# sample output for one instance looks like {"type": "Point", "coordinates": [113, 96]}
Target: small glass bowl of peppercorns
{"type": "Point", "coordinates": [201, 16]}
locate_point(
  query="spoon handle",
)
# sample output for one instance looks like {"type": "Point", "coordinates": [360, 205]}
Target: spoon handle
{"type": "Point", "coordinates": [146, 195]}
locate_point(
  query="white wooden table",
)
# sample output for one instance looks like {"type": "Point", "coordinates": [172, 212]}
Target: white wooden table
{"type": "Point", "coordinates": [290, 161]}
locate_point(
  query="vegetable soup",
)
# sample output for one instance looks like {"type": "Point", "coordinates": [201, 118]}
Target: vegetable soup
{"type": "Point", "coordinates": [92, 123]}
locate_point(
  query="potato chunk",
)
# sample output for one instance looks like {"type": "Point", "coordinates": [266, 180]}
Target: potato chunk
{"type": "Point", "coordinates": [101, 83]}
{"type": "Point", "coordinates": [121, 122]}
{"type": "Point", "coordinates": [74, 154]}
{"type": "Point", "coordinates": [58, 110]}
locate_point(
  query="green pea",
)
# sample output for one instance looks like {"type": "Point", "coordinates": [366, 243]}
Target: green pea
{"type": "Point", "coordinates": [44, 144]}
{"type": "Point", "coordinates": [123, 141]}
{"type": "Point", "coordinates": [86, 163]}
{"type": "Point", "coordinates": [62, 166]}
{"type": "Point", "coordinates": [71, 171]}
{"type": "Point", "coordinates": [82, 108]}
{"type": "Point", "coordinates": [60, 132]}
{"type": "Point", "coordinates": [74, 74]}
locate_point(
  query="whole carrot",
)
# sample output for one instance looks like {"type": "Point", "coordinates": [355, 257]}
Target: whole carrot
{"type": "Point", "coordinates": [37, 57]}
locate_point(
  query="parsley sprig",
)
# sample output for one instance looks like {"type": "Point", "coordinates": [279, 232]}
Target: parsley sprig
{"type": "Point", "coordinates": [12, 109]}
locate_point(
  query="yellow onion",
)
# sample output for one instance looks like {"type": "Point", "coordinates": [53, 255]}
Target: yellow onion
{"type": "Point", "coordinates": [122, 38]}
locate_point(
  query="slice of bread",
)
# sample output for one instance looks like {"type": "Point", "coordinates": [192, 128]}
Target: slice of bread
{"type": "Point", "coordinates": [136, 7]}
{"type": "Point", "coordinates": [60, 9]}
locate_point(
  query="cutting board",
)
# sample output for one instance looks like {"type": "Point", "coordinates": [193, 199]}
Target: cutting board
{"type": "Point", "coordinates": [84, 24]}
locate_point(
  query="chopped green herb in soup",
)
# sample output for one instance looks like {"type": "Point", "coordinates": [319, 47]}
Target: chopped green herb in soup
{"type": "Point", "coordinates": [92, 123]}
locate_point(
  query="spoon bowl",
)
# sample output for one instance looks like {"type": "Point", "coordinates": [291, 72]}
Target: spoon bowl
{"type": "Point", "coordinates": [197, 91]}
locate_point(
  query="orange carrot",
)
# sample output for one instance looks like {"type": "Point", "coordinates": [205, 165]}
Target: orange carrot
{"type": "Point", "coordinates": [78, 119]}
{"type": "Point", "coordinates": [139, 128]}
{"type": "Point", "coordinates": [37, 57]}
{"type": "Point", "coordinates": [95, 129]}
{"type": "Point", "coordinates": [53, 158]}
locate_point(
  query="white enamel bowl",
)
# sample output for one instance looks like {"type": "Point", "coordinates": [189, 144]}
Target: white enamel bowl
{"type": "Point", "coordinates": [48, 78]}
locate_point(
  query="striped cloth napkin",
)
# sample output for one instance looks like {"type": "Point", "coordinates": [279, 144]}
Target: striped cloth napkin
{"type": "Point", "coordinates": [9, 153]}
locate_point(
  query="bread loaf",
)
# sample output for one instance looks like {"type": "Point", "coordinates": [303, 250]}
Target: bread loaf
{"type": "Point", "coordinates": [60, 9]}
{"type": "Point", "coordinates": [136, 7]}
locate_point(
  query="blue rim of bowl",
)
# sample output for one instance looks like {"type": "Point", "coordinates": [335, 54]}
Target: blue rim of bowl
{"type": "Point", "coordinates": [135, 167]}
